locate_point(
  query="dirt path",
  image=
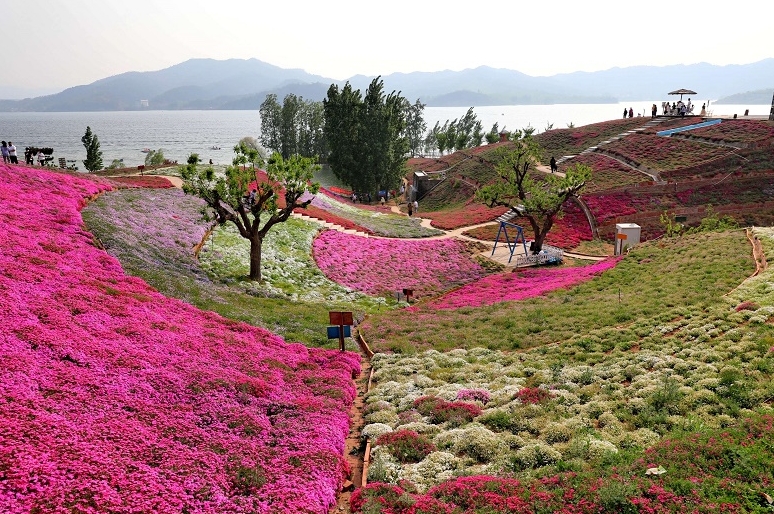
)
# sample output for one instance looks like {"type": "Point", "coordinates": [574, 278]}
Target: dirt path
{"type": "Point", "coordinates": [354, 451]}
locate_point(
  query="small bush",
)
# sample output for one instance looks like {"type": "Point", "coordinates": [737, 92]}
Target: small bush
{"type": "Point", "coordinates": [406, 445]}
{"type": "Point", "coordinates": [533, 395]}
{"type": "Point", "coordinates": [456, 413]}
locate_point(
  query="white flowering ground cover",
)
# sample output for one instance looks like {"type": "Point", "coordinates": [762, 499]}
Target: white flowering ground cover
{"type": "Point", "coordinates": [599, 395]}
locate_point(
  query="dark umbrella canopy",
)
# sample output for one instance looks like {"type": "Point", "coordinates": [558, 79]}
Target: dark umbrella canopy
{"type": "Point", "coordinates": [682, 92]}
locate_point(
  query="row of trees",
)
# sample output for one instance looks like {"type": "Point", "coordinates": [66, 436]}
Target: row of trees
{"type": "Point", "coordinates": [366, 136]}
{"type": "Point", "coordinates": [293, 128]}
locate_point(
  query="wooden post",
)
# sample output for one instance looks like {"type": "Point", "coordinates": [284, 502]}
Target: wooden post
{"type": "Point", "coordinates": [341, 319]}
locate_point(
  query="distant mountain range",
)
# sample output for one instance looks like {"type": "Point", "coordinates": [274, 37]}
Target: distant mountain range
{"type": "Point", "coordinates": [244, 84]}
{"type": "Point", "coordinates": [761, 96]}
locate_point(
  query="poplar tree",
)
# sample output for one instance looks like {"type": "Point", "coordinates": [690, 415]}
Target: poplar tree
{"type": "Point", "coordinates": [93, 160]}
{"type": "Point", "coordinates": [366, 136]}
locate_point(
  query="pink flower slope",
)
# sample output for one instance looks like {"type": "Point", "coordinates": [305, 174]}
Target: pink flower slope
{"type": "Point", "coordinates": [118, 399]}
{"type": "Point", "coordinates": [518, 285]}
{"type": "Point", "coordinates": [383, 266]}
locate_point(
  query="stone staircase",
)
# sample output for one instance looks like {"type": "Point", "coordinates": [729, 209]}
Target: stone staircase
{"type": "Point", "coordinates": [329, 225]}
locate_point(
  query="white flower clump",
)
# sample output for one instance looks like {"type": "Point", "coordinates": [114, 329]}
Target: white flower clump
{"type": "Point", "coordinates": [384, 467]}
{"type": "Point", "coordinates": [536, 455]}
{"type": "Point", "coordinates": [386, 417]}
{"type": "Point", "coordinates": [372, 431]}
{"type": "Point", "coordinates": [436, 467]}
{"type": "Point", "coordinates": [597, 448]}
{"type": "Point", "coordinates": [480, 443]}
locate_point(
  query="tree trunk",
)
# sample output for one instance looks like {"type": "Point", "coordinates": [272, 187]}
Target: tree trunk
{"type": "Point", "coordinates": [255, 257]}
{"type": "Point", "coordinates": [537, 245]}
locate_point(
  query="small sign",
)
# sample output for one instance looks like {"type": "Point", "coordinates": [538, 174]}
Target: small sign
{"type": "Point", "coordinates": [333, 332]}
{"type": "Point", "coordinates": [621, 236]}
{"type": "Point", "coordinates": [681, 219]}
{"type": "Point", "coordinates": [340, 318]}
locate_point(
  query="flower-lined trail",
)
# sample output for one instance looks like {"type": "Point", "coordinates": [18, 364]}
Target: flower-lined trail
{"type": "Point", "coordinates": [118, 399]}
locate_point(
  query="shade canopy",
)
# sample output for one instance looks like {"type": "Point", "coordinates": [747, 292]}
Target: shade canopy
{"type": "Point", "coordinates": [682, 92]}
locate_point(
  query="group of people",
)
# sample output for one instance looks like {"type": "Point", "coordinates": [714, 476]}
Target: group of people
{"type": "Point", "coordinates": [10, 156]}
{"type": "Point", "coordinates": [678, 108]}
{"type": "Point", "coordinates": [9, 153]}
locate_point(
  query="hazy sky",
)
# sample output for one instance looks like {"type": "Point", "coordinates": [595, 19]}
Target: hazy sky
{"type": "Point", "coordinates": [49, 45]}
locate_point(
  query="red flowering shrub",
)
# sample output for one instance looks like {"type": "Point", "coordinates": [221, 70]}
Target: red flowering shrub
{"type": "Point", "coordinates": [456, 413]}
{"type": "Point", "coordinates": [339, 190]}
{"type": "Point", "coordinates": [376, 495]}
{"type": "Point", "coordinates": [406, 445]}
{"type": "Point", "coordinates": [425, 404]}
{"type": "Point", "coordinates": [747, 306]}
{"type": "Point", "coordinates": [533, 395]}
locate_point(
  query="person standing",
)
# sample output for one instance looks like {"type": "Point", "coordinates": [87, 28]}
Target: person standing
{"type": "Point", "coordinates": [625, 112]}
{"type": "Point", "coordinates": [631, 112]}
{"type": "Point", "coordinates": [653, 111]}
{"type": "Point", "coordinates": [12, 153]}
{"type": "Point", "coordinates": [410, 208]}
{"type": "Point", "coordinates": [554, 167]}
{"type": "Point", "coordinates": [6, 155]}
{"type": "Point", "coordinates": [416, 207]}
{"type": "Point", "coordinates": [41, 158]}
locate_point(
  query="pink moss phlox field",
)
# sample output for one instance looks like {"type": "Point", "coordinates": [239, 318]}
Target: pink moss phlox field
{"type": "Point", "coordinates": [382, 266]}
{"type": "Point", "coordinates": [518, 285]}
{"type": "Point", "coordinates": [118, 399]}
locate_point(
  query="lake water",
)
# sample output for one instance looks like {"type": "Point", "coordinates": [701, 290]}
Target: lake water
{"type": "Point", "coordinates": [124, 134]}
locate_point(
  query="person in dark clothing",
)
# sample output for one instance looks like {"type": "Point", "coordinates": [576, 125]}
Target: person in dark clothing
{"type": "Point", "coordinates": [554, 167]}
{"type": "Point", "coordinates": [626, 112]}
{"type": "Point", "coordinates": [631, 112]}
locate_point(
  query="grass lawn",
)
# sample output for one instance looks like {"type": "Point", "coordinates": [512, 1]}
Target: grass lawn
{"type": "Point", "coordinates": [662, 279]}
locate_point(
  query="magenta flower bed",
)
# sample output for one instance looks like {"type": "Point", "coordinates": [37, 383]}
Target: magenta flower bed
{"type": "Point", "coordinates": [118, 399]}
{"type": "Point", "coordinates": [519, 285]}
{"type": "Point", "coordinates": [382, 266]}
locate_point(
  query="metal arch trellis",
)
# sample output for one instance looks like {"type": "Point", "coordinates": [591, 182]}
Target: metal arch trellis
{"type": "Point", "coordinates": [511, 245]}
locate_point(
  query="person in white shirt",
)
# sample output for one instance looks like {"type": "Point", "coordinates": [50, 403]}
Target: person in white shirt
{"type": "Point", "coordinates": [12, 153]}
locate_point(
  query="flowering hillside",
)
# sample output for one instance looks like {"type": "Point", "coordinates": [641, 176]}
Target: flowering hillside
{"type": "Point", "coordinates": [664, 154]}
{"type": "Point", "coordinates": [736, 131]}
{"type": "Point", "coordinates": [572, 141]}
{"type": "Point", "coordinates": [118, 399]}
{"type": "Point", "coordinates": [381, 266]}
